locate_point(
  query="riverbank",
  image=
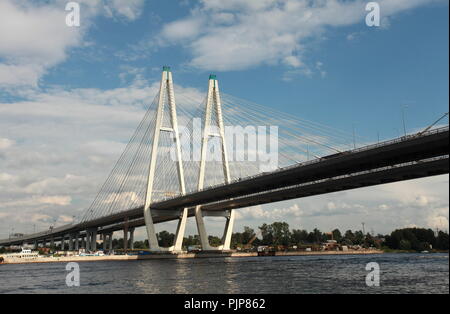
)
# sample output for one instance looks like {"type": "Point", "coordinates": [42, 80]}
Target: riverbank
{"type": "Point", "coordinates": [66, 259]}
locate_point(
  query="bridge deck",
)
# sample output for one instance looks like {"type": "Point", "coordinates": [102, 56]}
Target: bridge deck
{"type": "Point", "coordinates": [404, 158]}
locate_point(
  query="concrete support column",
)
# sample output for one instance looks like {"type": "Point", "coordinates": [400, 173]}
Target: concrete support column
{"type": "Point", "coordinates": [105, 242]}
{"type": "Point", "coordinates": [35, 245]}
{"type": "Point", "coordinates": [110, 240]}
{"type": "Point", "coordinates": [88, 240]}
{"type": "Point", "coordinates": [63, 243]}
{"type": "Point", "coordinates": [77, 242]}
{"type": "Point", "coordinates": [125, 238]}
{"type": "Point", "coordinates": [52, 242]}
{"type": "Point", "coordinates": [70, 242]}
{"type": "Point", "coordinates": [94, 239]}
{"type": "Point", "coordinates": [228, 232]}
{"type": "Point", "coordinates": [132, 238]}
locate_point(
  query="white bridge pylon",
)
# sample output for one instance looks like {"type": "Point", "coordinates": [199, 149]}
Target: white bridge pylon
{"type": "Point", "coordinates": [166, 88]}
{"type": "Point", "coordinates": [213, 106]}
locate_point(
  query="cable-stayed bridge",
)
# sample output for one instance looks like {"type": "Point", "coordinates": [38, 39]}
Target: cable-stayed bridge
{"type": "Point", "coordinates": [194, 158]}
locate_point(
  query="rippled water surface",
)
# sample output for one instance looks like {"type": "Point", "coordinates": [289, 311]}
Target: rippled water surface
{"type": "Point", "coordinates": [400, 273]}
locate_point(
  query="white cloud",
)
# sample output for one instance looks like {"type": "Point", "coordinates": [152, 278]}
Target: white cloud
{"type": "Point", "coordinates": [233, 35]}
{"type": "Point", "coordinates": [32, 39]}
{"type": "Point", "coordinates": [62, 144]}
{"type": "Point", "coordinates": [5, 177]}
{"type": "Point", "coordinates": [129, 9]}
{"type": "Point", "coordinates": [34, 36]}
{"type": "Point", "coordinates": [438, 222]}
{"type": "Point", "coordinates": [275, 213]}
{"type": "Point", "coordinates": [65, 219]}
{"type": "Point", "coordinates": [55, 200]}
{"type": "Point", "coordinates": [6, 143]}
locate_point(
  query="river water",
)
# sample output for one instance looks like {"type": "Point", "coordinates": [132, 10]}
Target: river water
{"type": "Point", "coordinates": [399, 273]}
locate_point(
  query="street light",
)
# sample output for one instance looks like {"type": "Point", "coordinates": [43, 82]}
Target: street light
{"type": "Point", "coordinates": [403, 118]}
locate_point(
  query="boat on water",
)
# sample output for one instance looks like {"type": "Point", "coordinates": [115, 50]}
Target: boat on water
{"type": "Point", "coordinates": [98, 253]}
{"type": "Point", "coordinates": [24, 254]}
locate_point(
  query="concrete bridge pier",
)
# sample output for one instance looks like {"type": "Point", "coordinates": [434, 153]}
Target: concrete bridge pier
{"type": "Point", "coordinates": [125, 238]}
{"type": "Point", "coordinates": [70, 242]}
{"type": "Point", "coordinates": [105, 242]}
{"type": "Point", "coordinates": [91, 239]}
{"type": "Point", "coordinates": [131, 238]}
{"type": "Point", "coordinates": [77, 242]}
{"type": "Point", "coordinates": [110, 241]}
{"type": "Point", "coordinates": [87, 243]}
{"type": "Point", "coordinates": [63, 243]}
{"type": "Point", "coordinates": [36, 244]}
{"type": "Point", "coordinates": [52, 242]}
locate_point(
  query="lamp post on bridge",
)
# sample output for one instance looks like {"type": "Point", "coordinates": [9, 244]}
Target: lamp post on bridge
{"type": "Point", "coordinates": [403, 118]}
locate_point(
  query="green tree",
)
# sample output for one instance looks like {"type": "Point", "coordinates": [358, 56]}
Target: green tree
{"type": "Point", "coordinates": [349, 238]}
{"type": "Point", "coordinates": [214, 241]}
{"type": "Point", "coordinates": [404, 245]}
{"type": "Point", "coordinates": [139, 245]}
{"type": "Point", "coordinates": [165, 239]}
{"type": "Point", "coordinates": [281, 233]}
{"type": "Point", "coordinates": [267, 234]}
{"type": "Point", "coordinates": [442, 241]}
{"type": "Point", "coordinates": [298, 236]}
{"type": "Point", "coordinates": [337, 235]}
{"type": "Point", "coordinates": [191, 240]}
{"type": "Point", "coordinates": [359, 238]}
{"type": "Point", "coordinates": [247, 235]}
{"type": "Point", "coordinates": [243, 238]}
{"type": "Point", "coordinates": [417, 239]}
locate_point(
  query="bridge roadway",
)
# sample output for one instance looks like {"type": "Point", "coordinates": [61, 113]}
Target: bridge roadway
{"type": "Point", "coordinates": [405, 158]}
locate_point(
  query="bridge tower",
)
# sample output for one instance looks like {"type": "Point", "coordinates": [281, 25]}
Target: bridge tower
{"type": "Point", "coordinates": [166, 92]}
{"type": "Point", "coordinates": [213, 108]}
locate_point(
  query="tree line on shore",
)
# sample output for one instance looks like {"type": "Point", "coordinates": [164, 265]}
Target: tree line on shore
{"type": "Point", "coordinates": [279, 234]}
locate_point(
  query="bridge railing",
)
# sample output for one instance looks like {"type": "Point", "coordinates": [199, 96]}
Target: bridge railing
{"type": "Point", "coordinates": [26, 237]}
{"type": "Point", "coordinates": [344, 176]}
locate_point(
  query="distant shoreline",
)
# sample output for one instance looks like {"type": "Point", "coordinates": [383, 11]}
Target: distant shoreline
{"type": "Point", "coordinates": [65, 259]}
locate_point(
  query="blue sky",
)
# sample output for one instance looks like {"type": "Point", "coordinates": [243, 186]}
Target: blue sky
{"type": "Point", "coordinates": [70, 97]}
{"type": "Point", "coordinates": [367, 78]}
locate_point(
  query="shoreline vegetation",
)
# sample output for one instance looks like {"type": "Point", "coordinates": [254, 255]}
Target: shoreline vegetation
{"type": "Point", "coordinates": [277, 237]}
{"type": "Point", "coordinates": [136, 257]}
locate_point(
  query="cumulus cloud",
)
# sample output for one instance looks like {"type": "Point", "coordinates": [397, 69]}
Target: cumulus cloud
{"type": "Point", "coordinates": [129, 9]}
{"type": "Point", "coordinates": [62, 144]}
{"type": "Point", "coordinates": [35, 38]}
{"type": "Point", "coordinates": [32, 38]}
{"type": "Point", "coordinates": [55, 200]}
{"type": "Point", "coordinates": [234, 35]}
{"type": "Point", "coordinates": [5, 143]}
